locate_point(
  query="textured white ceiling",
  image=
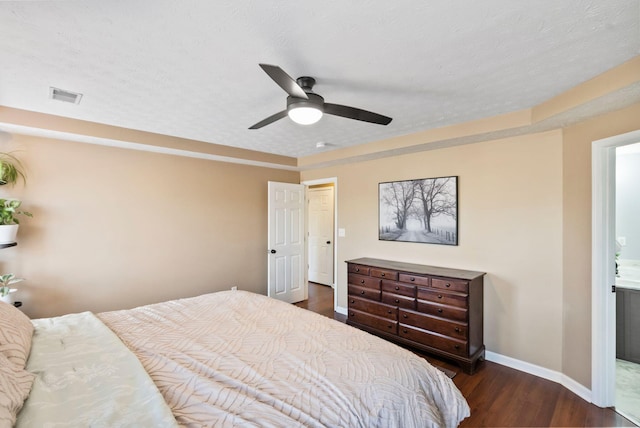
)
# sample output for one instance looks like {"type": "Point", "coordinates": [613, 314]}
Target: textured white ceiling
{"type": "Point", "coordinates": [190, 68]}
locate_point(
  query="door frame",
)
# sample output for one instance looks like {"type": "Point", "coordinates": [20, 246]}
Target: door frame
{"type": "Point", "coordinates": [334, 181]}
{"type": "Point", "coordinates": [603, 306]}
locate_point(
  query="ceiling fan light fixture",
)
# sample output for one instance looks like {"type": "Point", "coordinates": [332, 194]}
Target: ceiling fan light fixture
{"type": "Point", "coordinates": [305, 115]}
{"type": "Point", "coordinates": [305, 111]}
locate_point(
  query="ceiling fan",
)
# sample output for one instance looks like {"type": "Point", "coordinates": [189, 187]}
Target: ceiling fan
{"type": "Point", "coordinates": [305, 107]}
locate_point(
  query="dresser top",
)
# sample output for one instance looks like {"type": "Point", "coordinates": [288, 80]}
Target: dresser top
{"type": "Point", "coordinates": [420, 269]}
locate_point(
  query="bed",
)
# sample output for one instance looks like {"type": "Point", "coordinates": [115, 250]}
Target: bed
{"type": "Point", "coordinates": [231, 358]}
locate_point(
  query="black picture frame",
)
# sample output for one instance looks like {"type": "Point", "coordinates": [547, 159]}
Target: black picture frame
{"type": "Point", "coordinates": [423, 210]}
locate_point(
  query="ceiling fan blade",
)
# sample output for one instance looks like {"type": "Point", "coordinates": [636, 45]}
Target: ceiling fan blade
{"type": "Point", "coordinates": [284, 81]}
{"type": "Point", "coordinates": [356, 113]}
{"type": "Point", "coordinates": [270, 119]}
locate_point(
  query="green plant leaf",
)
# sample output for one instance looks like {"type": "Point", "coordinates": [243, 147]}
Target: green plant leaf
{"type": "Point", "coordinates": [11, 169]}
{"type": "Point", "coordinates": [9, 212]}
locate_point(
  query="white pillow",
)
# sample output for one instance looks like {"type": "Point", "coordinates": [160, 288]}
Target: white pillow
{"type": "Point", "coordinates": [16, 331]}
{"type": "Point", "coordinates": [15, 384]}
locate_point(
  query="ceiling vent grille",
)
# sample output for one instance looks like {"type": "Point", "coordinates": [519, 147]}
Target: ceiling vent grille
{"type": "Point", "coordinates": [65, 96]}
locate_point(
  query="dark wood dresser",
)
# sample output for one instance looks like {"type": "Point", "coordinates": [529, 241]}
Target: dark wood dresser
{"type": "Point", "coordinates": [432, 309]}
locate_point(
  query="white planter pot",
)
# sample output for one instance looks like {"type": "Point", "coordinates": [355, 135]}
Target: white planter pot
{"type": "Point", "coordinates": [8, 298]}
{"type": "Point", "coordinates": [8, 233]}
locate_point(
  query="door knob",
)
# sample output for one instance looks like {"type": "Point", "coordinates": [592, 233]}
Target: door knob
{"type": "Point", "coordinates": [273, 251]}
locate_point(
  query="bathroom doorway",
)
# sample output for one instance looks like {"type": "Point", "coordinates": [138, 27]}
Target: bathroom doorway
{"type": "Point", "coordinates": [604, 249]}
{"type": "Point", "coordinates": [627, 232]}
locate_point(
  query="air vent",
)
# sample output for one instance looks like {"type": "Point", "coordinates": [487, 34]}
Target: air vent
{"type": "Point", "coordinates": [65, 96]}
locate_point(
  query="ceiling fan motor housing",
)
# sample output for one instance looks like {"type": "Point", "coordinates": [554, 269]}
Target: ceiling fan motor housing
{"type": "Point", "coordinates": [314, 101]}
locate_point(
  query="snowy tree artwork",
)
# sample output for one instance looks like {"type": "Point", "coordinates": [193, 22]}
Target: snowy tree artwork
{"type": "Point", "coordinates": [424, 210]}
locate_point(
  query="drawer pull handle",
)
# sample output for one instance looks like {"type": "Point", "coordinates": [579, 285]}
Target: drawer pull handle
{"type": "Point", "coordinates": [362, 292]}
{"type": "Point", "coordinates": [404, 330]}
{"type": "Point", "coordinates": [353, 301]}
{"type": "Point", "coordinates": [382, 274]}
{"type": "Point", "coordinates": [405, 316]}
{"type": "Point", "coordinates": [412, 279]}
{"type": "Point", "coordinates": [397, 288]}
{"type": "Point", "coordinates": [357, 269]}
{"type": "Point", "coordinates": [457, 346]}
{"type": "Point", "coordinates": [351, 314]}
{"type": "Point", "coordinates": [390, 326]}
{"type": "Point", "coordinates": [389, 311]}
{"type": "Point", "coordinates": [457, 330]}
{"type": "Point", "coordinates": [397, 300]}
{"type": "Point", "coordinates": [439, 309]}
{"type": "Point", "coordinates": [362, 281]}
{"type": "Point", "coordinates": [447, 285]}
{"type": "Point", "coordinates": [439, 296]}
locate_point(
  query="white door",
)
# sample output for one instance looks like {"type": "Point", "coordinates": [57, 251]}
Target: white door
{"type": "Point", "coordinates": [286, 273]}
{"type": "Point", "coordinates": [320, 235]}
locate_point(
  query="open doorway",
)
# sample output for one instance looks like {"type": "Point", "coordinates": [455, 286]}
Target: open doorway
{"type": "Point", "coordinates": [627, 227]}
{"type": "Point", "coordinates": [321, 232]}
{"type": "Point", "coordinates": [608, 389]}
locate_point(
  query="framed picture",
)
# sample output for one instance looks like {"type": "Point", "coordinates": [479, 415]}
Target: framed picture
{"type": "Point", "coordinates": [423, 210]}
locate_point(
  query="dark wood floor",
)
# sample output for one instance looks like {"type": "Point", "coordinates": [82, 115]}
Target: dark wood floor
{"type": "Point", "coordinates": [500, 396]}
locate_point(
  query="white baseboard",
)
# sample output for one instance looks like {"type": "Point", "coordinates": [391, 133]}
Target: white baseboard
{"type": "Point", "coordinates": [554, 376]}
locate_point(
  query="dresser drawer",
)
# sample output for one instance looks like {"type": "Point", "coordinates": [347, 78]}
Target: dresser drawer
{"type": "Point", "coordinates": [399, 288]}
{"type": "Point", "coordinates": [364, 281]}
{"type": "Point", "coordinates": [450, 284]}
{"type": "Point", "coordinates": [382, 324]}
{"type": "Point", "coordinates": [398, 300]}
{"type": "Point", "coordinates": [453, 299]}
{"type": "Point", "coordinates": [449, 328]}
{"type": "Point", "coordinates": [450, 312]}
{"type": "Point", "coordinates": [415, 279]}
{"type": "Point", "coordinates": [367, 293]}
{"type": "Point", "coordinates": [374, 308]}
{"type": "Point", "coordinates": [453, 346]}
{"type": "Point", "coordinates": [384, 274]}
{"type": "Point", "coordinates": [362, 270]}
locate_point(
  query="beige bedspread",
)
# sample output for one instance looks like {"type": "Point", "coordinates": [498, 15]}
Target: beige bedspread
{"type": "Point", "coordinates": [235, 358]}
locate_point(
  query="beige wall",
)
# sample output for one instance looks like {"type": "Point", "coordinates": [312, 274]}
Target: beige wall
{"type": "Point", "coordinates": [116, 228]}
{"type": "Point", "coordinates": [510, 226]}
{"type": "Point", "coordinates": [525, 219]}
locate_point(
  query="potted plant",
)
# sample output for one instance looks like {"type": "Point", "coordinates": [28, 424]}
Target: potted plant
{"type": "Point", "coordinates": [8, 221]}
{"type": "Point", "coordinates": [11, 169]}
{"type": "Point", "coordinates": [6, 281]}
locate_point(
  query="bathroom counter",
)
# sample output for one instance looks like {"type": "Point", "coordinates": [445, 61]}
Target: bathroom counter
{"type": "Point", "coordinates": [626, 284]}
